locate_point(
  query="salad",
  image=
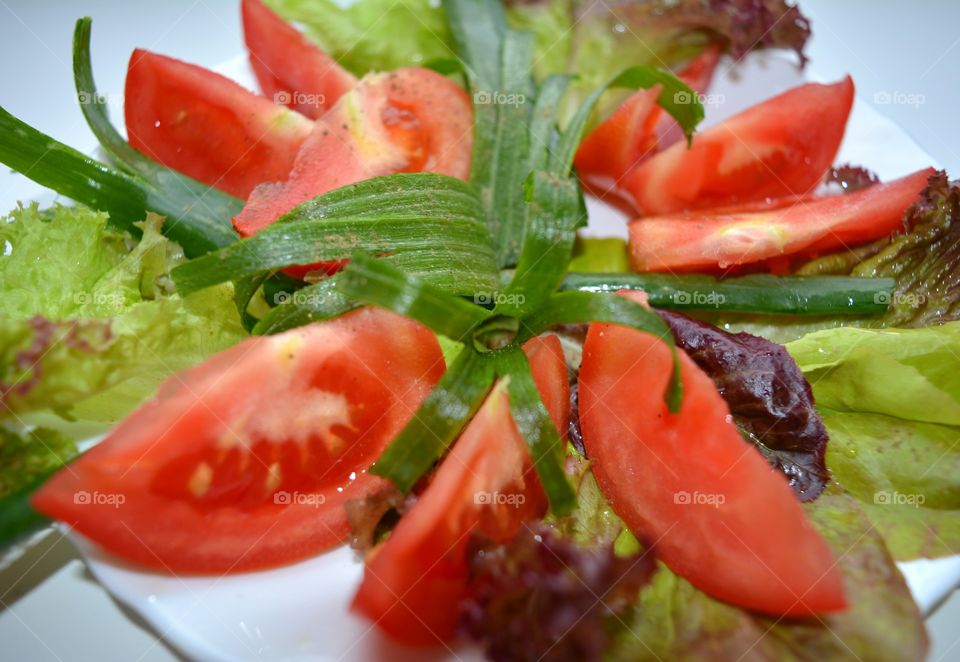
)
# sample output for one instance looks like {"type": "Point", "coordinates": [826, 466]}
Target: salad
{"type": "Point", "coordinates": [356, 308]}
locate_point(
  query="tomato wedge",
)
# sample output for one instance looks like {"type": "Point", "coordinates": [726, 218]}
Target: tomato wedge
{"type": "Point", "coordinates": [688, 482]}
{"type": "Point", "coordinates": [409, 120]}
{"type": "Point", "coordinates": [414, 582]}
{"type": "Point", "coordinates": [705, 239]}
{"type": "Point", "coordinates": [782, 146]}
{"type": "Point", "coordinates": [291, 70]}
{"type": "Point", "coordinates": [637, 129]}
{"type": "Point", "coordinates": [245, 461]}
{"type": "Point", "coordinates": [208, 127]}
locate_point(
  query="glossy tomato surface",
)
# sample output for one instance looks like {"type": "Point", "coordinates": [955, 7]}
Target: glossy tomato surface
{"type": "Point", "coordinates": [208, 127]}
{"type": "Point", "coordinates": [636, 130]}
{"type": "Point", "coordinates": [688, 483]}
{"type": "Point", "coordinates": [782, 146]}
{"type": "Point", "coordinates": [706, 239]}
{"type": "Point", "coordinates": [409, 120]}
{"type": "Point", "coordinates": [291, 70]}
{"type": "Point", "coordinates": [245, 461]}
{"type": "Point", "coordinates": [414, 582]}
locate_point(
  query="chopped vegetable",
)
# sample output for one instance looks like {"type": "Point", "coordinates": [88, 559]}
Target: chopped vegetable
{"type": "Point", "coordinates": [542, 597]}
{"type": "Point", "coordinates": [266, 470]}
{"type": "Point", "coordinates": [414, 582]}
{"type": "Point", "coordinates": [769, 398]}
{"type": "Point", "coordinates": [409, 120]}
{"type": "Point", "coordinates": [206, 126]}
{"type": "Point", "coordinates": [688, 482]}
{"type": "Point", "coordinates": [782, 146]}
{"type": "Point", "coordinates": [674, 621]}
{"type": "Point", "coordinates": [291, 70]}
{"type": "Point", "coordinates": [924, 259]}
{"type": "Point", "coordinates": [636, 130]}
{"type": "Point", "coordinates": [705, 240]}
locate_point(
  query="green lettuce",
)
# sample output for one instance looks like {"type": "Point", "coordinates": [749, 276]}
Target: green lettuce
{"type": "Point", "coordinates": [374, 35]}
{"type": "Point", "coordinates": [673, 620]}
{"type": "Point", "coordinates": [592, 40]}
{"type": "Point", "coordinates": [37, 452]}
{"type": "Point", "coordinates": [890, 399]}
{"type": "Point", "coordinates": [89, 323]}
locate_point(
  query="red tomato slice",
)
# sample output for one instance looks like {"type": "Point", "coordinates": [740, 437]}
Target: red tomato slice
{"type": "Point", "coordinates": [245, 461]}
{"type": "Point", "coordinates": [688, 482]}
{"type": "Point", "coordinates": [414, 582]}
{"type": "Point", "coordinates": [409, 120]}
{"type": "Point", "coordinates": [704, 239]}
{"type": "Point", "coordinates": [290, 68]}
{"type": "Point", "coordinates": [779, 147]}
{"type": "Point", "coordinates": [208, 127]}
{"type": "Point", "coordinates": [637, 129]}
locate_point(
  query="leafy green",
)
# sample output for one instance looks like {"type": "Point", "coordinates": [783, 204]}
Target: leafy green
{"type": "Point", "coordinates": [582, 307]}
{"type": "Point", "coordinates": [533, 421]}
{"type": "Point", "coordinates": [593, 41]}
{"type": "Point", "coordinates": [806, 299]}
{"type": "Point", "coordinates": [199, 223]}
{"type": "Point", "coordinates": [924, 260]}
{"type": "Point", "coordinates": [438, 421]}
{"type": "Point", "coordinates": [429, 225]}
{"type": "Point", "coordinates": [31, 453]}
{"type": "Point", "coordinates": [891, 402]}
{"type": "Point", "coordinates": [94, 345]}
{"type": "Point", "coordinates": [373, 35]}
{"type": "Point", "coordinates": [376, 282]}
{"type": "Point", "coordinates": [675, 621]}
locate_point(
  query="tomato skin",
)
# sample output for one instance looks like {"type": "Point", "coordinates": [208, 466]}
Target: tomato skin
{"type": "Point", "coordinates": [409, 120]}
{"type": "Point", "coordinates": [206, 126]}
{"type": "Point", "coordinates": [414, 582]}
{"type": "Point", "coordinates": [291, 69]}
{"type": "Point", "coordinates": [636, 130]}
{"type": "Point", "coordinates": [702, 240]}
{"type": "Point", "coordinates": [779, 147]}
{"type": "Point", "coordinates": [716, 513]}
{"type": "Point", "coordinates": [276, 478]}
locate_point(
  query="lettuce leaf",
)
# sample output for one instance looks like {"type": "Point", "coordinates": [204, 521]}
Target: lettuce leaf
{"type": "Point", "coordinates": [592, 40]}
{"type": "Point", "coordinates": [890, 399]}
{"type": "Point", "coordinates": [924, 260]}
{"type": "Point", "coordinates": [373, 35]}
{"type": "Point", "coordinates": [89, 324]}
{"type": "Point", "coordinates": [34, 453]}
{"type": "Point", "coordinates": [674, 621]}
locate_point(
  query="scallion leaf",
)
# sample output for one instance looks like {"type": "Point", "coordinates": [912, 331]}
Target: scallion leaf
{"type": "Point", "coordinates": [676, 97]}
{"type": "Point", "coordinates": [378, 283]}
{"type": "Point", "coordinates": [438, 421]}
{"type": "Point", "coordinates": [535, 425]}
{"type": "Point", "coordinates": [584, 307]}
{"type": "Point", "coordinates": [755, 293]}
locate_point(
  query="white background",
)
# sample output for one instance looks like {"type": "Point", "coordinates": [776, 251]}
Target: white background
{"type": "Point", "coordinates": [52, 611]}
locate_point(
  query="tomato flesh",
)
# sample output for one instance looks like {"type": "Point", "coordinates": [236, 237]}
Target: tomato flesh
{"type": "Point", "coordinates": [636, 130]}
{"type": "Point", "coordinates": [782, 146]}
{"type": "Point", "coordinates": [206, 126]}
{"type": "Point", "coordinates": [291, 69]}
{"type": "Point", "coordinates": [688, 483]}
{"type": "Point", "coordinates": [409, 120]}
{"type": "Point", "coordinates": [706, 239]}
{"type": "Point", "coordinates": [246, 460]}
{"type": "Point", "coordinates": [414, 582]}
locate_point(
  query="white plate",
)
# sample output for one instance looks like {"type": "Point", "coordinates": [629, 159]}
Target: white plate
{"type": "Point", "coordinates": [300, 612]}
